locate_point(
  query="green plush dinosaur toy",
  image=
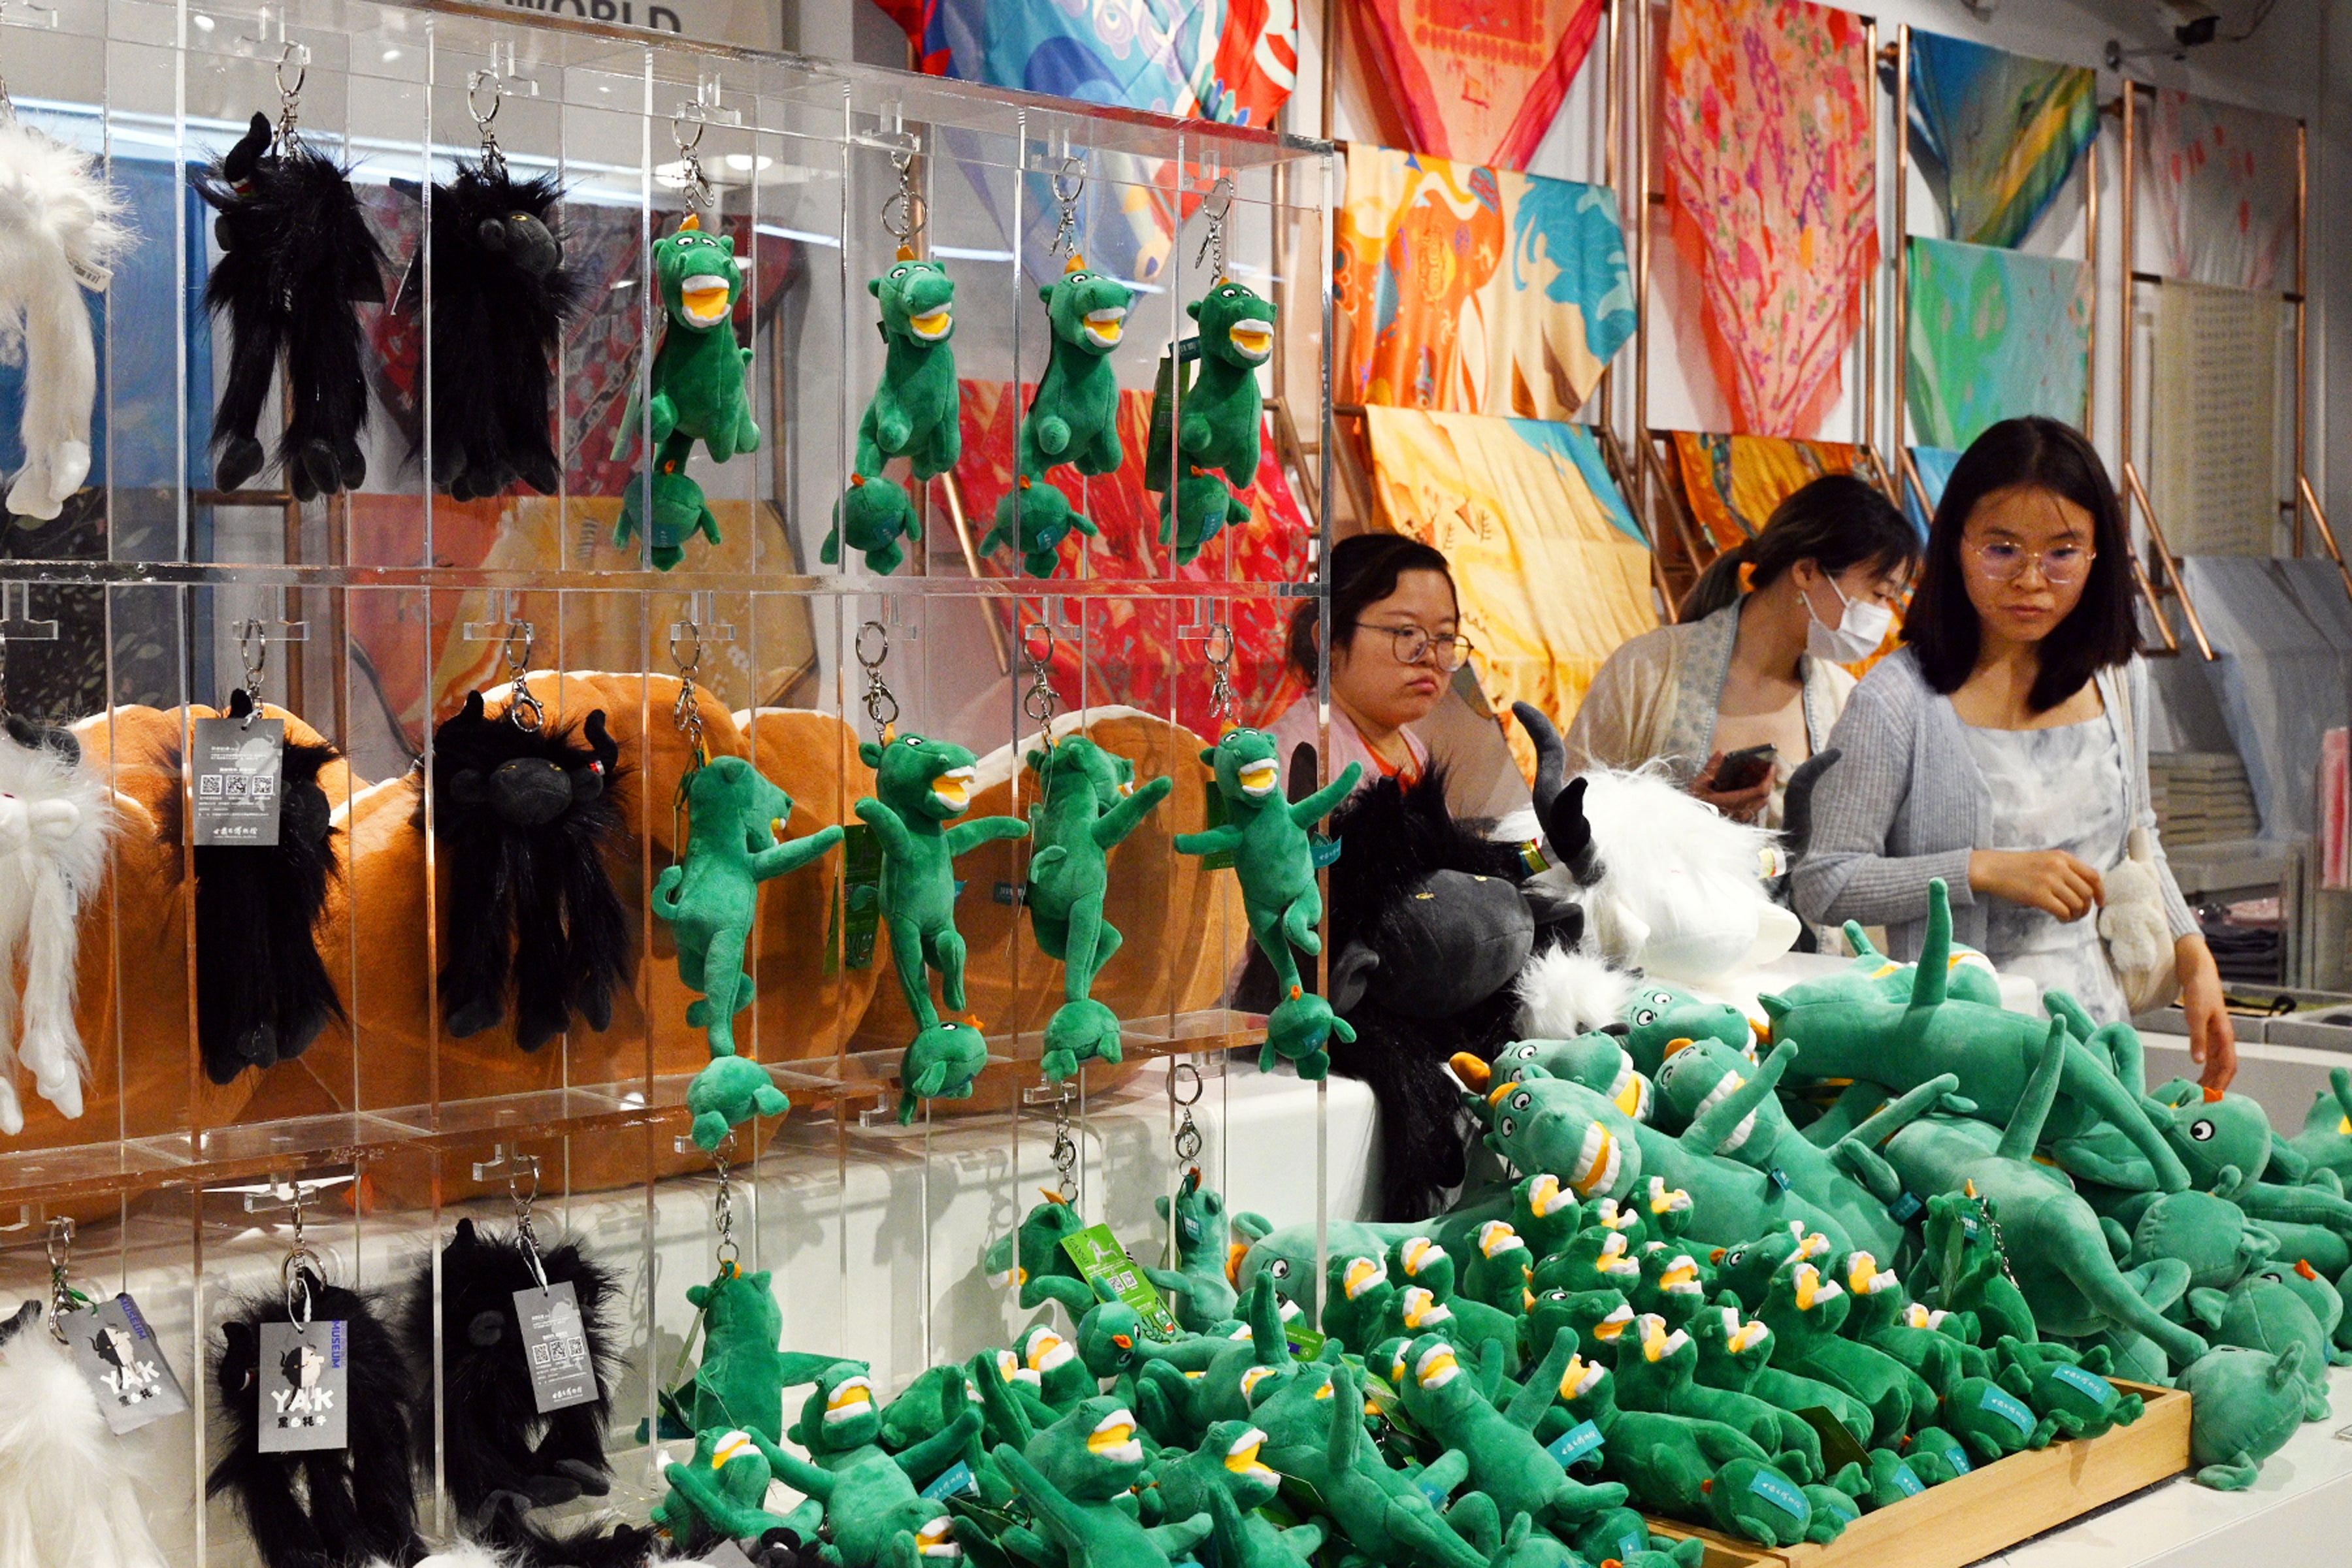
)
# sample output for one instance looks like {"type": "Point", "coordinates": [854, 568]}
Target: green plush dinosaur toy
{"type": "Point", "coordinates": [1734, 1353]}
{"type": "Point", "coordinates": [874, 1516]}
{"type": "Point", "coordinates": [1545, 1213]}
{"type": "Point", "coordinates": [1505, 1462]}
{"type": "Point", "coordinates": [1501, 1269]}
{"type": "Point", "coordinates": [914, 412]}
{"type": "Point", "coordinates": [1225, 1479]}
{"type": "Point", "coordinates": [1599, 1256]}
{"type": "Point", "coordinates": [1666, 1462]}
{"type": "Point", "coordinates": [1992, 1422]}
{"type": "Point", "coordinates": [1088, 803]}
{"type": "Point", "coordinates": [1357, 1298]}
{"type": "Point", "coordinates": [1063, 1377]}
{"type": "Point", "coordinates": [1275, 861]}
{"type": "Point", "coordinates": [712, 902]}
{"type": "Point", "coordinates": [1031, 1257]}
{"type": "Point", "coordinates": [2069, 1389]}
{"type": "Point", "coordinates": [1849, 1180]}
{"type": "Point", "coordinates": [1315, 1435]}
{"type": "Point", "coordinates": [1596, 1061]}
{"type": "Point", "coordinates": [1198, 509]}
{"type": "Point", "coordinates": [1179, 1403]}
{"type": "Point", "coordinates": [741, 1378]}
{"type": "Point", "coordinates": [1657, 1369]}
{"type": "Point", "coordinates": [720, 1495]}
{"type": "Point", "coordinates": [871, 517]}
{"type": "Point", "coordinates": [1886, 1319]}
{"type": "Point", "coordinates": [2263, 1314]}
{"type": "Point", "coordinates": [921, 1409]}
{"type": "Point", "coordinates": [1419, 1262]}
{"type": "Point", "coordinates": [1993, 1052]}
{"type": "Point", "coordinates": [1746, 1271]}
{"type": "Point", "coordinates": [696, 389]}
{"type": "Point", "coordinates": [1073, 418]}
{"type": "Point", "coordinates": [2326, 1141]}
{"type": "Point", "coordinates": [2243, 1404]}
{"type": "Point", "coordinates": [1967, 1271]}
{"type": "Point", "coordinates": [1599, 1318]}
{"type": "Point", "coordinates": [1670, 1288]}
{"type": "Point", "coordinates": [1890, 1479]}
{"type": "Point", "coordinates": [1544, 1123]}
{"type": "Point", "coordinates": [1074, 1478]}
{"type": "Point", "coordinates": [920, 785]}
{"type": "Point", "coordinates": [1936, 1456]}
{"type": "Point", "coordinates": [1804, 1312]}
{"type": "Point", "coordinates": [1657, 1015]}
{"type": "Point", "coordinates": [2061, 1258]}
{"type": "Point", "coordinates": [1034, 518]}
{"type": "Point", "coordinates": [2324, 1301]}
{"type": "Point", "coordinates": [1202, 1297]}
{"type": "Point", "coordinates": [1219, 421]}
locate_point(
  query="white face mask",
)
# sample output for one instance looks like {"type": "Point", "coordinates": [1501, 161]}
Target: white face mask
{"type": "Point", "coordinates": [1860, 628]}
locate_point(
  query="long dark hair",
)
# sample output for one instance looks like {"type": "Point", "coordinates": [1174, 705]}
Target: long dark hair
{"type": "Point", "coordinates": [1942, 629]}
{"type": "Point", "coordinates": [1361, 569]}
{"type": "Point", "coordinates": [1837, 522]}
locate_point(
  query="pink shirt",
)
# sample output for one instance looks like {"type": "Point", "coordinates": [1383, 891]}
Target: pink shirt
{"type": "Point", "coordinates": [1300, 724]}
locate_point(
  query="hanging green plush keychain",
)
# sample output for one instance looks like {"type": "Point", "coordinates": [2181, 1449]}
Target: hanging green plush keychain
{"type": "Point", "coordinates": [1088, 803]}
{"type": "Point", "coordinates": [1074, 417]}
{"type": "Point", "coordinates": [1216, 422]}
{"type": "Point", "coordinates": [1275, 860]}
{"type": "Point", "coordinates": [711, 901]}
{"type": "Point", "coordinates": [917, 408]}
{"type": "Point", "coordinates": [695, 390]}
{"type": "Point", "coordinates": [920, 786]}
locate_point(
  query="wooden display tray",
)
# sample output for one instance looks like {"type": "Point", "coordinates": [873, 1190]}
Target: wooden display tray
{"type": "Point", "coordinates": [1992, 1507]}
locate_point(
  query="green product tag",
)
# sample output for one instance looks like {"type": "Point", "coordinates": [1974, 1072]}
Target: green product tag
{"type": "Point", "coordinates": [1905, 1209]}
{"type": "Point", "coordinates": [1430, 1490]}
{"type": "Point", "coordinates": [1576, 1443]}
{"type": "Point", "coordinates": [956, 1479]}
{"type": "Point", "coordinates": [1212, 816]}
{"type": "Point", "coordinates": [1906, 1481]}
{"type": "Point", "coordinates": [861, 862]}
{"type": "Point", "coordinates": [1104, 1263]}
{"type": "Point", "coordinates": [1838, 1448]}
{"type": "Point", "coordinates": [1629, 1544]}
{"type": "Point", "coordinates": [1325, 850]}
{"type": "Point", "coordinates": [2007, 1408]}
{"type": "Point", "coordinates": [1777, 1489]}
{"type": "Point", "coordinates": [2089, 1383]}
{"type": "Point", "coordinates": [1957, 1457]}
{"type": "Point", "coordinates": [1306, 1344]}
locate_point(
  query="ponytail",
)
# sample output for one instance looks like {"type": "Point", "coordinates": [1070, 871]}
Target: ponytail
{"type": "Point", "coordinates": [1837, 522]}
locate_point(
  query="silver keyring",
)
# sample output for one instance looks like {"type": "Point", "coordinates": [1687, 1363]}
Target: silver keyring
{"type": "Point", "coordinates": [1176, 1075]}
{"type": "Point", "coordinates": [301, 69]}
{"type": "Point", "coordinates": [875, 661]}
{"type": "Point", "coordinates": [498, 95]}
{"type": "Point", "coordinates": [685, 146]}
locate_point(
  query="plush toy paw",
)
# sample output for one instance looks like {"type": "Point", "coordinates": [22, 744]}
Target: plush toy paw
{"type": "Point", "coordinates": [940, 1065]}
{"type": "Point", "coordinates": [1295, 1031]}
{"type": "Point", "coordinates": [1195, 512]}
{"type": "Point", "coordinates": [730, 1091]}
{"type": "Point", "coordinates": [679, 513]}
{"type": "Point", "coordinates": [1035, 519]}
{"type": "Point", "coordinates": [1079, 1032]}
{"type": "Point", "coordinates": [241, 457]}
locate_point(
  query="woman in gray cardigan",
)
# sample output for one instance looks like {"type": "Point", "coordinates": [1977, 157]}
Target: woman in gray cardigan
{"type": "Point", "coordinates": [2003, 750]}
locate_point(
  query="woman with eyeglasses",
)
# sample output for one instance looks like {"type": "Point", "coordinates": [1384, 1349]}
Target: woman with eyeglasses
{"type": "Point", "coordinates": [1749, 670]}
{"type": "Point", "coordinates": [2004, 749]}
{"type": "Point", "coordinates": [1395, 644]}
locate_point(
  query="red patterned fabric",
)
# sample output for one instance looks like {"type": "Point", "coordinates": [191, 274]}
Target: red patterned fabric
{"type": "Point", "coordinates": [1146, 654]}
{"type": "Point", "coordinates": [1477, 82]}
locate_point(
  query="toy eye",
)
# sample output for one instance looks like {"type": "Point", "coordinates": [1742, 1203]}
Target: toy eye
{"type": "Point", "coordinates": [1279, 1268]}
{"type": "Point", "coordinates": [1735, 1256]}
{"type": "Point", "coordinates": [898, 272]}
{"type": "Point", "coordinates": [2201, 1131]}
{"type": "Point", "coordinates": [911, 740]}
{"type": "Point", "coordinates": [1506, 1126]}
{"type": "Point", "coordinates": [2275, 1278]}
{"type": "Point", "coordinates": [1661, 999]}
{"type": "Point", "coordinates": [1645, 1016]}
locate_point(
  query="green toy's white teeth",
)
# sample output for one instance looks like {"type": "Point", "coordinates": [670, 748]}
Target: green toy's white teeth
{"type": "Point", "coordinates": [1258, 778]}
{"type": "Point", "coordinates": [1241, 1458]}
{"type": "Point", "coordinates": [1113, 1438]}
{"type": "Point", "coordinates": [1253, 341]}
{"type": "Point", "coordinates": [937, 1539]}
{"type": "Point", "coordinates": [1598, 1162]}
{"type": "Point", "coordinates": [1548, 1198]}
{"type": "Point", "coordinates": [1680, 1277]}
{"type": "Point", "coordinates": [1620, 1318]}
{"type": "Point", "coordinates": [953, 789]}
{"type": "Point", "coordinates": [1436, 1367]}
{"type": "Point", "coordinates": [1422, 1308]}
{"type": "Point", "coordinates": [853, 1398]}
{"type": "Point", "coordinates": [1362, 1274]}
{"type": "Point", "coordinates": [1580, 1377]}
{"type": "Point", "coordinates": [933, 327]}
{"type": "Point", "coordinates": [1746, 1334]}
{"type": "Point", "coordinates": [1106, 325]}
{"type": "Point", "coordinates": [1048, 1351]}
{"type": "Point", "coordinates": [703, 298]}
{"type": "Point", "coordinates": [729, 1447]}
{"type": "Point", "coordinates": [1496, 1235]}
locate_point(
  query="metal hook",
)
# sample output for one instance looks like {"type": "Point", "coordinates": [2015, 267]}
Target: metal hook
{"type": "Point", "coordinates": [903, 215]}
{"type": "Point", "coordinates": [494, 157]}
{"type": "Point", "coordinates": [1069, 183]}
{"type": "Point", "coordinates": [1213, 208]}
{"type": "Point", "coordinates": [881, 704]}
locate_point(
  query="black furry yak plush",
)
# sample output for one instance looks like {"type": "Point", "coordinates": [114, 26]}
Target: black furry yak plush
{"type": "Point", "coordinates": [334, 1507]}
{"type": "Point", "coordinates": [528, 818]}
{"type": "Point", "coordinates": [1430, 924]}
{"type": "Point", "coordinates": [501, 296]}
{"type": "Point", "coordinates": [262, 991]}
{"type": "Point", "coordinates": [500, 1457]}
{"type": "Point", "coordinates": [297, 257]}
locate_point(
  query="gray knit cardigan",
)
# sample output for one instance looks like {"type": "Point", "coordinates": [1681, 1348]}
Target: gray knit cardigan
{"type": "Point", "coordinates": [1904, 805]}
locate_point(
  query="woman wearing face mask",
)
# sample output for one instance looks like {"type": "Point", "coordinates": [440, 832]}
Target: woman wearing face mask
{"type": "Point", "coordinates": [2004, 750]}
{"type": "Point", "coordinates": [1753, 657]}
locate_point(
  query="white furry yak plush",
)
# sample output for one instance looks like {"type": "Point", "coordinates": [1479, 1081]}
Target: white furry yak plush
{"type": "Point", "coordinates": [459, 1554]}
{"type": "Point", "coordinates": [1680, 891]}
{"type": "Point", "coordinates": [1567, 992]}
{"type": "Point", "coordinates": [55, 819]}
{"type": "Point", "coordinates": [59, 226]}
{"type": "Point", "coordinates": [68, 1493]}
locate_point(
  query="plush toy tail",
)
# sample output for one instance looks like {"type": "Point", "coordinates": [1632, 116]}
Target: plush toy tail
{"type": "Point", "coordinates": [69, 1489]}
{"type": "Point", "coordinates": [52, 1046]}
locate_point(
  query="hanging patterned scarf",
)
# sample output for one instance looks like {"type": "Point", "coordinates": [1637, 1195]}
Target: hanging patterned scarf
{"type": "Point", "coordinates": [1996, 134]}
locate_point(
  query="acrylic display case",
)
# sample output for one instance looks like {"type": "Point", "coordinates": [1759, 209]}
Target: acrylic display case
{"type": "Point", "coordinates": [368, 617]}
